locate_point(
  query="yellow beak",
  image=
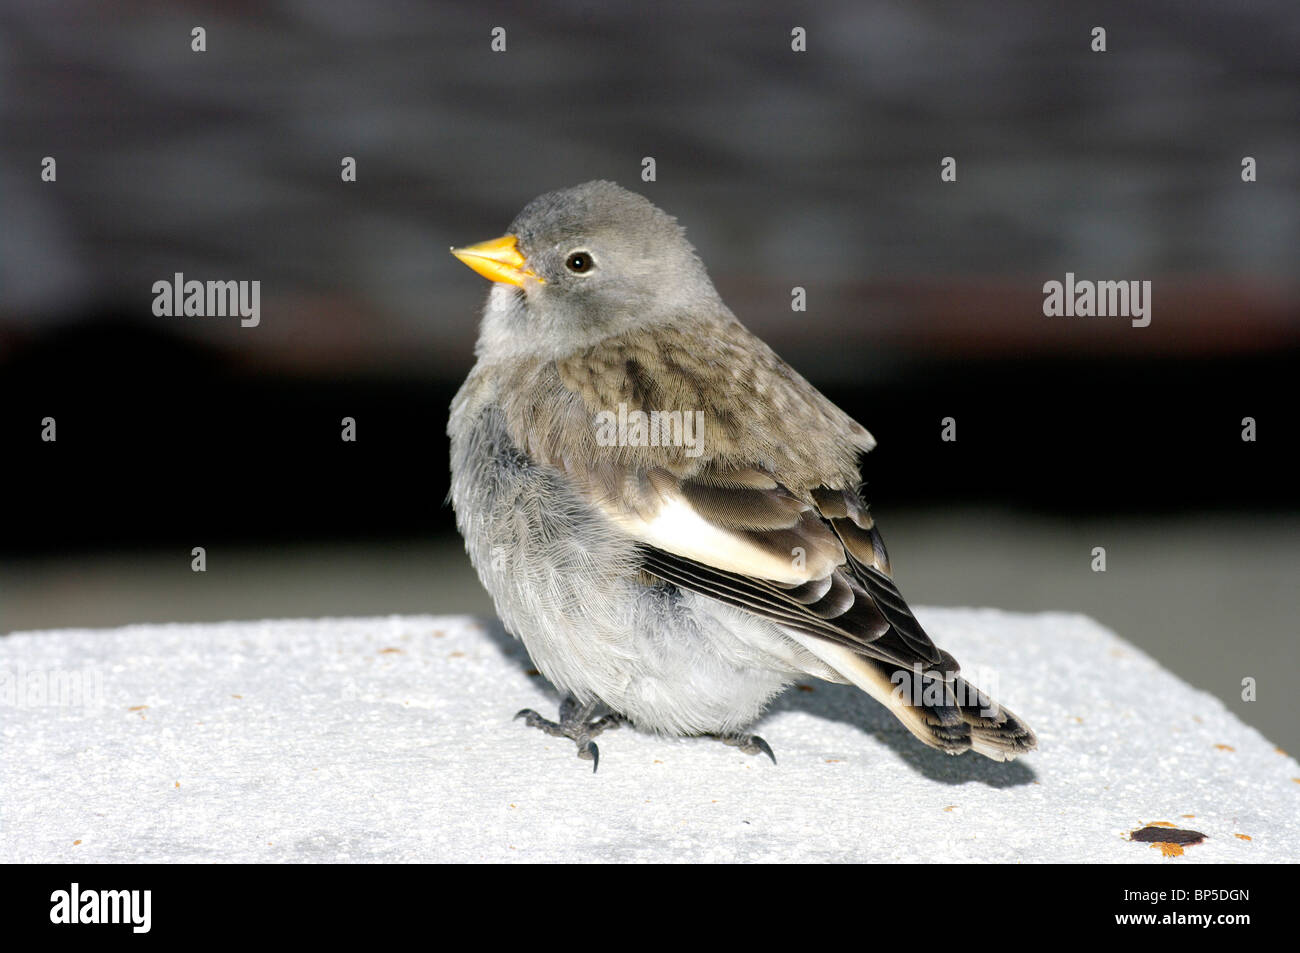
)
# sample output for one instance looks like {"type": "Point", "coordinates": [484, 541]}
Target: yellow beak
{"type": "Point", "coordinates": [498, 260]}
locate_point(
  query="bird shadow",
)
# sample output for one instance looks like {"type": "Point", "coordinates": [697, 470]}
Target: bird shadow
{"type": "Point", "coordinates": [843, 703]}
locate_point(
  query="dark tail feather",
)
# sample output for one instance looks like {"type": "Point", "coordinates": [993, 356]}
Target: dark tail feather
{"type": "Point", "coordinates": [954, 716]}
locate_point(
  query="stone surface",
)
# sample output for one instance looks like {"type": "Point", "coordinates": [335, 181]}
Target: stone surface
{"type": "Point", "coordinates": [390, 739]}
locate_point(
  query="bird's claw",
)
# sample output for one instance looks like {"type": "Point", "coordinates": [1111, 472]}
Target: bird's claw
{"type": "Point", "coordinates": [758, 745]}
{"type": "Point", "coordinates": [533, 720]}
{"type": "Point", "coordinates": [750, 744]}
{"type": "Point", "coordinates": [575, 724]}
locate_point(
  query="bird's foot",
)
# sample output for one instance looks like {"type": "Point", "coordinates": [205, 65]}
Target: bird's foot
{"type": "Point", "coordinates": [577, 724]}
{"type": "Point", "coordinates": [750, 744]}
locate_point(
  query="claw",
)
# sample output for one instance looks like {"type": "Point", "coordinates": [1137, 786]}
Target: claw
{"type": "Point", "coordinates": [750, 744]}
{"type": "Point", "coordinates": [760, 745]}
{"type": "Point", "coordinates": [575, 723]}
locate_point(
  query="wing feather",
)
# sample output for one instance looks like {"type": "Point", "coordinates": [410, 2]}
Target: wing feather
{"type": "Point", "coordinates": [815, 564]}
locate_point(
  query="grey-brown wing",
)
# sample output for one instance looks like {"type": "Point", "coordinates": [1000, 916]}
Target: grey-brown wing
{"type": "Point", "coordinates": [848, 598]}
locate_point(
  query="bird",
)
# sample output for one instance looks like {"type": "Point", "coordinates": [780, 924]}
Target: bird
{"type": "Point", "coordinates": [666, 514]}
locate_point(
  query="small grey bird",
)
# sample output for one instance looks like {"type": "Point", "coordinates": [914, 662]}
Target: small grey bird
{"type": "Point", "coordinates": [662, 509]}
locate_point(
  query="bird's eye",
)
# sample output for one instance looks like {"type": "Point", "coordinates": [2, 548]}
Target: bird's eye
{"type": "Point", "coordinates": [578, 262]}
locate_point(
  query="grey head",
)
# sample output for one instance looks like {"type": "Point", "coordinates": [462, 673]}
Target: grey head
{"type": "Point", "coordinates": [582, 264]}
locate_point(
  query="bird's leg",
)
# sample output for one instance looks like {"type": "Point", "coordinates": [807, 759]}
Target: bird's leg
{"type": "Point", "coordinates": [576, 723]}
{"type": "Point", "coordinates": [750, 744]}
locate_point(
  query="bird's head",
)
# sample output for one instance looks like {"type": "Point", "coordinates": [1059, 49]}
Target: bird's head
{"type": "Point", "coordinates": [582, 264]}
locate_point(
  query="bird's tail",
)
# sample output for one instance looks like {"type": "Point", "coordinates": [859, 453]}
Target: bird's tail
{"type": "Point", "coordinates": [955, 716]}
{"type": "Point", "coordinates": [943, 710]}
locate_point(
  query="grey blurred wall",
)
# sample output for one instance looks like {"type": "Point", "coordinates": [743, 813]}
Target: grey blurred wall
{"type": "Point", "coordinates": [818, 169]}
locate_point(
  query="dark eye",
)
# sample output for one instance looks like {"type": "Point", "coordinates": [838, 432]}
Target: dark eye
{"type": "Point", "coordinates": [578, 262]}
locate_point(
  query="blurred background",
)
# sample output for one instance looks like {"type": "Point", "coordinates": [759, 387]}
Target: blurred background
{"type": "Point", "coordinates": [817, 169]}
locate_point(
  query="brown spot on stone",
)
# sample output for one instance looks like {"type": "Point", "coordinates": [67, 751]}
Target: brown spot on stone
{"type": "Point", "coordinates": [1171, 840]}
{"type": "Point", "coordinates": [1242, 836]}
{"type": "Point", "coordinates": [137, 708]}
{"type": "Point", "coordinates": [1225, 747]}
{"type": "Point", "coordinates": [388, 651]}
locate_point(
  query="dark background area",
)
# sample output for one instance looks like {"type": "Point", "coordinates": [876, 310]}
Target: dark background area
{"type": "Point", "coordinates": [816, 169]}
{"type": "Point", "coordinates": [199, 451]}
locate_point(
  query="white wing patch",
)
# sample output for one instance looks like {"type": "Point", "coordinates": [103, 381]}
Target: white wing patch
{"type": "Point", "coordinates": [678, 529]}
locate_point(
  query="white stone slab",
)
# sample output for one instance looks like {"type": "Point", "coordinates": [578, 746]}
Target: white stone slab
{"type": "Point", "coordinates": [391, 739]}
